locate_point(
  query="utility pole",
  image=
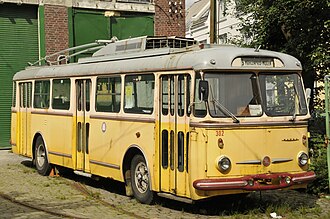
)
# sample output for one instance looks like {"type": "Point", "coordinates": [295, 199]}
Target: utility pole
{"type": "Point", "coordinates": [213, 21]}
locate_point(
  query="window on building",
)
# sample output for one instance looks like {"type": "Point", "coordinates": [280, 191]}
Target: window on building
{"type": "Point", "coordinates": [223, 38]}
{"type": "Point", "coordinates": [222, 8]}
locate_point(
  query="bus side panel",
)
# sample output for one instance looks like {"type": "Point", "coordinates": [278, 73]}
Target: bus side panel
{"type": "Point", "coordinates": [109, 141]}
{"type": "Point", "coordinates": [56, 131]}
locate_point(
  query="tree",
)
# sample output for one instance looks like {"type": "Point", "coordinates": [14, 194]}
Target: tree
{"type": "Point", "coordinates": [300, 28]}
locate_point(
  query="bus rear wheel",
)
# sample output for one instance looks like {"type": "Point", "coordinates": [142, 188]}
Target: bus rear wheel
{"type": "Point", "coordinates": [42, 165]}
{"type": "Point", "coordinates": [140, 180]}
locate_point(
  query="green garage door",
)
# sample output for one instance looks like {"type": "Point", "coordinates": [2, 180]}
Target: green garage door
{"type": "Point", "coordinates": [18, 46]}
{"type": "Point", "coordinates": [132, 26]}
{"type": "Point", "coordinates": [91, 25]}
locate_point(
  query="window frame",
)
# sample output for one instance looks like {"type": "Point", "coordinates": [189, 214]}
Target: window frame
{"type": "Point", "coordinates": [41, 95]}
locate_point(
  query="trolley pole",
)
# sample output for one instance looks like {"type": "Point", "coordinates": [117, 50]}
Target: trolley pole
{"type": "Point", "coordinates": [327, 120]}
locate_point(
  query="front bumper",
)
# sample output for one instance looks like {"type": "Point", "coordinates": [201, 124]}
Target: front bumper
{"type": "Point", "coordinates": [255, 182]}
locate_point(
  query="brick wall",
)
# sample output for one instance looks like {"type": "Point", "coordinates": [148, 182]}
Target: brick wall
{"type": "Point", "coordinates": [56, 28]}
{"type": "Point", "coordinates": [170, 18]}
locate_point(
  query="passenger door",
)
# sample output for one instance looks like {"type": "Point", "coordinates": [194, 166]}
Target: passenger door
{"type": "Point", "coordinates": [25, 104]}
{"type": "Point", "coordinates": [174, 132]}
{"type": "Point", "coordinates": [83, 94]}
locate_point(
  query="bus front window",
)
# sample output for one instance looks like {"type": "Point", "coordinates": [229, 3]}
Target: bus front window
{"type": "Point", "coordinates": [232, 95]}
{"type": "Point", "coordinates": [283, 94]}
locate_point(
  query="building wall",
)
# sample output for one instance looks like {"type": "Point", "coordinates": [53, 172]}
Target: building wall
{"type": "Point", "coordinates": [227, 25]}
{"type": "Point", "coordinates": [56, 28]}
{"type": "Point", "coordinates": [53, 31]}
{"type": "Point", "coordinates": [170, 18]}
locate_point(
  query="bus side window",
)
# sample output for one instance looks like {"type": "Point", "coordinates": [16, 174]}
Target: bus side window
{"type": "Point", "coordinates": [61, 94]}
{"type": "Point", "coordinates": [29, 94]}
{"type": "Point", "coordinates": [108, 94]}
{"type": "Point", "coordinates": [25, 95]}
{"type": "Point", "coordinates": [139, 94]}
{"type": "Point", "coordinates": [41, 94]}
{"type": "Point", "coordinates": [14, 95]}
{"type": "Point", "coordinates": [199, 106]}
{"type": "Point", "coordinates": [164, 95]}
{"type": "Point", "coordinates": [183, 95]}
{"type": "Point", "coordinates": [188, 95]}
{"type": "Point", "coordinates": [181, 151]}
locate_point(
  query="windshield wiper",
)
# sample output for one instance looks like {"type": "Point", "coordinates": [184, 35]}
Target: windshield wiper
{"type": "Point", "coordinates": [224, 110]}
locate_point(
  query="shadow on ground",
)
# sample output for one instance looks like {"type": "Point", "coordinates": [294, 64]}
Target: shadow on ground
{"type": "Point", "coordinates": [258, 202]}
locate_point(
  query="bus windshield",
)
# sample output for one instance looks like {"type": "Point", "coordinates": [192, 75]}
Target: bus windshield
{"type": "Point", "coordinates": [249, 94]}
{"type": "Point", "coordinates": [282, 94]}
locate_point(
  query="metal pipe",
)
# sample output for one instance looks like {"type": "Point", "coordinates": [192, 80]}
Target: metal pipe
{"type": "Point", "coordinates": [213, 16]}
{"type": "Point", "coordinates": [327, 120]}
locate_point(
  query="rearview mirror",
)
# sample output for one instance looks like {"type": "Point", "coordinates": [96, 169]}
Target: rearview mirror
{"type": "Point", "coordinates": [203, 90]}
{"type": "Point", "coordinates": [308, 95]}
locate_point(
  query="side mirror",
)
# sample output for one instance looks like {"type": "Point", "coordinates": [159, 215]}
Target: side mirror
{"type": "Point", "coordinates": [203, 90]}
{"type": "Point", "coordinates": [308, 95]}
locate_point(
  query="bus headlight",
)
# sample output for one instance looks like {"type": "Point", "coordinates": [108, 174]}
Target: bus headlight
{"type": "Point", "coordinates": [302, 159]}
{"type": "Point", "coordinates": [224, 164]}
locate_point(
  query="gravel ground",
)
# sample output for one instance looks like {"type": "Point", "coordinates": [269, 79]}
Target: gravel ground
{"type": "Point", "coordinates": [73, 196]}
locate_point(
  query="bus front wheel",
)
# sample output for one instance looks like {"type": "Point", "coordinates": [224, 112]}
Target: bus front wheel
{"type": "Point", "coordinates": [42, 165]}
{"type": "Point", "coordinates": [140, 180]}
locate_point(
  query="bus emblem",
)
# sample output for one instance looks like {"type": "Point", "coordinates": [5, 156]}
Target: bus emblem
{"type": "Point", "coordinates": [104, 127]}
{"type": "Point", "coordinates": [266, 161]}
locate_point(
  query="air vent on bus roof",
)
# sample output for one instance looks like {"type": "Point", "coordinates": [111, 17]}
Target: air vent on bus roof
{"type": "Point", "coordinates": [140, 44]}
{"type": "Point", "coordinates": [170, 42]}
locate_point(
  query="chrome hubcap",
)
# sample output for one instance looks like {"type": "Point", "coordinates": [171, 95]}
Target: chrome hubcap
{"type": "Point", "coordinates": [41, 153]}
{"type": "Point", "coordinates": [141, 177]}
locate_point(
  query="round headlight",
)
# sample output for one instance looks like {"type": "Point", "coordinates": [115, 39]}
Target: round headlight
{"type": "Point", "coordinates": [224, 164]}
{"type": "Point", "coordinates": [302, 159]}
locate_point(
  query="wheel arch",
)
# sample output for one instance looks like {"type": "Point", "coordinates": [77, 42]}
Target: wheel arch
{"type": "Point", "coordinates": [129, 154]}
{"type": "Point", "coordinates": [38, 134]}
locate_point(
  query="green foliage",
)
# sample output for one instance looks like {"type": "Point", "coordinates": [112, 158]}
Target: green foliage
{"type": "Point", "coordinates": [297, 27]}
{"type": "Point", "coordinates": [318, 152]}
{"type": "Point", "coordinates": [319, 166]}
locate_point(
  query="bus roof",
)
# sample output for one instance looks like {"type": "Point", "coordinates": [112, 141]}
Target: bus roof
{"type": "Point", "coordinates": [193, 57]}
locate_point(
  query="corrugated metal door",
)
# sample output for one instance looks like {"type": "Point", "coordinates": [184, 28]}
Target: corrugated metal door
{"type": "Point", "coordinates": [18, 46]}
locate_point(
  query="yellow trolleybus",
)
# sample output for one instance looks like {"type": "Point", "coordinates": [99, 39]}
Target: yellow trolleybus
{"type": "Point", "coordinates": [167, 117]}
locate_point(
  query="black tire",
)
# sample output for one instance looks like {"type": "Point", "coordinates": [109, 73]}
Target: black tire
{"type": "Point", "coordinates": [41, 160]}
{"type": "Point", "coordinates": [140, 180]}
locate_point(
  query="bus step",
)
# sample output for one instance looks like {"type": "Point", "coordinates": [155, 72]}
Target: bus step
{"type": "Point", "coordinates": [81, 173]}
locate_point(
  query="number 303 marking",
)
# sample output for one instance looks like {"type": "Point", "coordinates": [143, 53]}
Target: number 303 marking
{"type": "Point", "coordinates": [219, 133]}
